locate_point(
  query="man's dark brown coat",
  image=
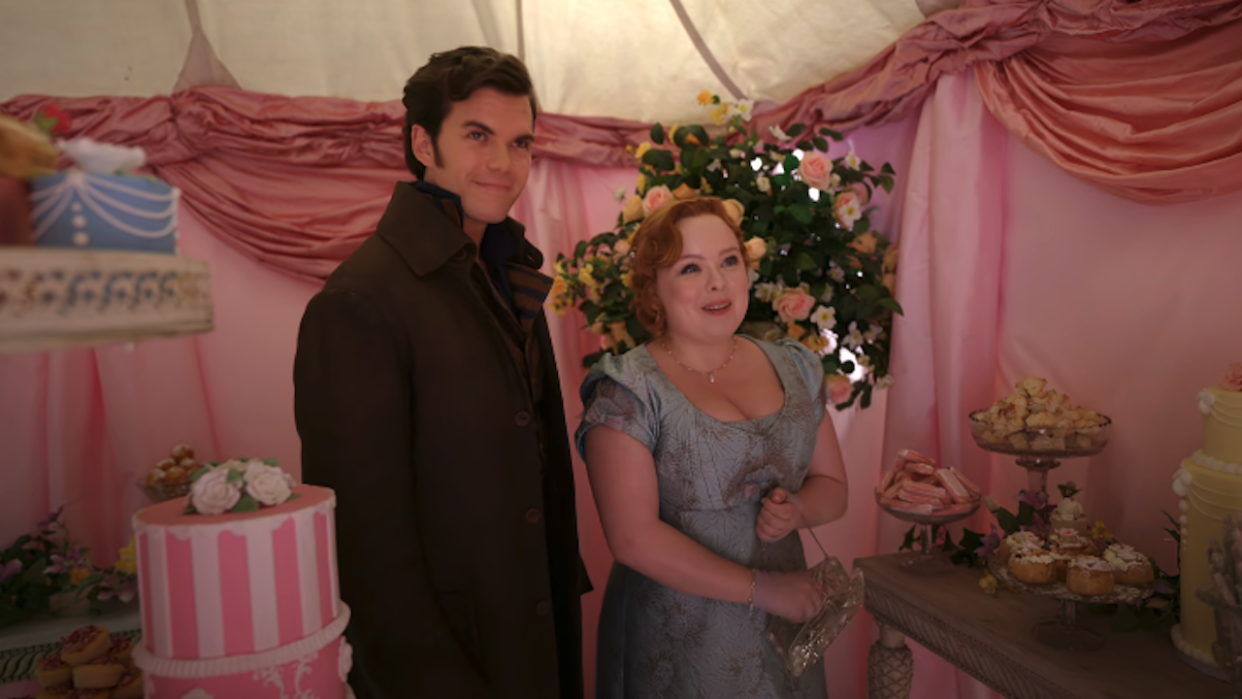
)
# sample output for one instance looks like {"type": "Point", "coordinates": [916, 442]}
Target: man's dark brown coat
{"type": "Point", "coordinates": [456, 530]}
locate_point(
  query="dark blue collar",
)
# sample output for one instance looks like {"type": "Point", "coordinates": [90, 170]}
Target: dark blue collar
{"type": "Point", "coordinates": [498, 246]}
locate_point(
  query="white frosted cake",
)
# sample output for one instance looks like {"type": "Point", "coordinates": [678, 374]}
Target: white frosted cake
{"type": "Point", "coordinates": [1210, 486]}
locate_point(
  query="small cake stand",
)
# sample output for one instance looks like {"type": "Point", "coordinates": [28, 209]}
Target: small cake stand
{"type": "Point", "coordinates": [927, 561]}
{"type": "Point", "coordinates": [1038, 462]}
{"type": "Point", "coordinates": [1065, 632]}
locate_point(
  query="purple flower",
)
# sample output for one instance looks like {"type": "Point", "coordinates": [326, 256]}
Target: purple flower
{"type": "Point", "coordinates": [1037, 501]}
{"type": "Point", "coordinates": [9, 570]}
{"type": "Point", "coordinates": [53, 518]}
{"type": "Point", "coordinates": [991, 542]}
{"type": "Point", "coordinates": [65, 564]}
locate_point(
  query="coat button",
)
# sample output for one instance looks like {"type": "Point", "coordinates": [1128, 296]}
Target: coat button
{"type": "Point", "coordinates": [533, 515]}
{"type": "Point", "coordinates": [544, 608]}
{"type": "Point", "coordinates": [522, 419]}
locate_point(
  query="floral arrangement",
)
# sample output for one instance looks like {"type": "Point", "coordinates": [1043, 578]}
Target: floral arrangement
{"type": "Point", "coordinates": [238, 485]}
{"type": "Point", "coordinates": [820, 275]}
{"type": "Point", "coordinates": [45, 572]}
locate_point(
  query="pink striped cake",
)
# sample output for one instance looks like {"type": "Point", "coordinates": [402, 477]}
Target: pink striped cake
{"type": "Point", "coordinates": [243, 604]}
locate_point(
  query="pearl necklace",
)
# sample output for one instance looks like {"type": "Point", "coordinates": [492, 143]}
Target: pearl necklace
{"type": "Point", "coordinates": [711, 374]}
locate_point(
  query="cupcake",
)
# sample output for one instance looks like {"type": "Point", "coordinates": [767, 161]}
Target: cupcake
{"type": "Point", "coordinates": [1032, 566]}
{"type": "Point", "coordinates": [1019, 541]}
{"type": "Point", "coordinates": [1090, 576]}
{"type": "Point", "coordinates": [1070, 543]}
{"type": "Point", "coordinates": [1129, 566]}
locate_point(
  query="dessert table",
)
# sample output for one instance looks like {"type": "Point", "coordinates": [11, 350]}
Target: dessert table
{"type": "Point", "coordinates": [990, 639]}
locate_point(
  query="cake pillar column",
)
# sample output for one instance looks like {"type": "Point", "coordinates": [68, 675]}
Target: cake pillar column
{"type": "Point", "coordinates": [890, 666]}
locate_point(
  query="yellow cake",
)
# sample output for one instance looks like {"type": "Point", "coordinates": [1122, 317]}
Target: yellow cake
{"type": "Point", "coordinates": [1210, 486]}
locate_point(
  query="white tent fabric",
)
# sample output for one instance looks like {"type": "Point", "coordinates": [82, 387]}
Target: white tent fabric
{"type": "Point", "coordinates": [638, 59]}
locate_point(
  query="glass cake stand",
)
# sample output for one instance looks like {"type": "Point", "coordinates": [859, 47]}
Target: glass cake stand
{"type": "Point", "coordinates": [1039, 450]}
{"type": "Point", "coordinates": [927, 561]}
{"type": "Point", "coordinates": [1065, 632]}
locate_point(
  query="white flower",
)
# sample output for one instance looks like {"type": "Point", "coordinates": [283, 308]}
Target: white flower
{"type": "Point", "coordinates": [825, 317]}
{"type": "Point", "coordinates": [764, 184]}
{"type": "Point", "coordinates": [102, 158]}
{"type": "Point", "coordinates": [836, 273]}
{"type": "Point", "coordinates": [852, 160]}
{"type": "Point", "coordinates": [736, 153]}
{"type": "Point", "coordinates": [752, 274]}
{"type": "Point", "coordinates": [744, 109]}
{"type": "Point", "coordinates": [265, 483]}
{"type": "Point", "coordinates": [873, 333]}
{"type": "Point", "coordinates": [766, 291]}
{"type": "Point", "coordinates": [714, 165]}
{"type": "Point", "coordinates": [834, 181]}
{"type": "Point", "coordinates": [778, 133]}
{"type": "Point", "coordinates": [346, 660]}
{"type": "Point", "coordinates": [826, 297]}
{"type": "Point", "coordinates": [619, 195]}
{"type": "Point", "coordinates": [1206, 401]}
{"type": "Point", "coordinates": [853, 339]}
{"type": "Point", "coordinates": [212, 494]}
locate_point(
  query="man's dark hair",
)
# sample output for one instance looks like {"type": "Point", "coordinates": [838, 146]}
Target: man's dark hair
{"type": "Point", "coordinates": [452, 76]}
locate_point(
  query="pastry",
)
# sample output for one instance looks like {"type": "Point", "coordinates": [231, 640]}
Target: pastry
{"type": "Point", "coordinates": [1090, 576]}
{"type": "Point", "coordinates": [1129, 566]}
{"type": "Point", "coordinates": [52, 671]}
{"type": "Point", "coordinates": [60, 691]}
{"type": "Point", "coordinates": [84, 645]}
{"type": "Point", "coordinates": [1032, 566]}
{"type": "Point", "coordinates": [129, 686]}
{"type": "Point", "coordinates": [101, 673]}
{"type": "Point", "coordinates": [122, 649]}
{"type": "Point", "coordinates": [1071, 543]}
{"type": "Point", "coordinates": [1019, 541]}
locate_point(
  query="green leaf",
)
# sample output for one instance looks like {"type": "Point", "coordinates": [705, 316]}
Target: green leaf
{"type": "Point", "coordinates": [657, 134]}
{"type": "Point", "coordinates": [234, 476]}
{"type": "Point", "coordinates": [908, 542]}
{"type": "Point", "coordinates": [821, 144]}
{"type": "Point", "coordinates": [803, 262]}
{"type": "Point", "coordinates": [699, 133]}
{"type": "Point", "coordinates": [189, 510]}
{"type": "Point", "coordinates": [270, 462]}
{"type": "Point", "coordinates": [887, 184]}
{"type": "Point", "coordinates": [580, 249]}
{"type": "Point", "coordinates": [834, 135]}
{"type": "Point", "coordinates": [659, 159]}
{"type": "Point", "coordinates": [795, 130]}
{"type": "Point", "coordinates": [791, 163]}
{"type": "Point", "coordinates": [246, 503]}
{"type": "Point", "coordinates": [802, 214]}
{"type": "Point", "coordinates": [869, 292]}
{"type": "Point", "coordinates": [818, 289]}
{"type": "Point", "coordinates": [887, 169]}
{"type": "Point", "coordinates": [805, 145]}
{"type": "Point", "coordinates": [1007, 520]}
{"type": "Point", "coordinates": [891, 304]}
{"type": "Point", "coordinates": [199, 473]}
{"type": "Point", "coordinates": [294, 496]}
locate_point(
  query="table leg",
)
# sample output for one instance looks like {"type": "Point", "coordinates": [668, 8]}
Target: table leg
{"type": "Point", "coordinates": [890, 666]}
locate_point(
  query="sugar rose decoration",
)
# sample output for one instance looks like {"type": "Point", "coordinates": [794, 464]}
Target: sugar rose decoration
{"type": "Point", "coordinates": [239, 485]}
{"type": "Point", "coordinates": [1233, 377]}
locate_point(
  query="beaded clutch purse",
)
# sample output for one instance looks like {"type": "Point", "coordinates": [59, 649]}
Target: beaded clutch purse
{"type": "Point", "coordinates": [801, 645]}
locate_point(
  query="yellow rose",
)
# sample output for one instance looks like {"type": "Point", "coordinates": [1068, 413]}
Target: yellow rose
{"type": "Point", "coordinates": [77, 575]}
{"type": "Point", "coordinates": [584, 274]}
{"type": "Point", "coordinates": [628, 280]}
{"type": "Point", "coordinates": [641, 183]}
{"type": "Point", "coordinates": [736, 210]}
{"type": "Point", "coordinates": [756, 248]}
{"type": "Point", "coordinates": [795, 331]}
{"type": "Point", "coordinates": [865, 243]}
{"type": "Point", "coordinates": [890, 258]}
{"type": "Point", "coordinates": [705, 97]}
{"type": "Point", "coordinates": [633, 210]}
{"type": "Point", "coordinates": [642, 149]}
{"type": "Point", "coordinates": [720, 113]}
{"type": "Point", "coordinates": [685, 192]}
{"type": "Point", "coordinates": [815, 343]}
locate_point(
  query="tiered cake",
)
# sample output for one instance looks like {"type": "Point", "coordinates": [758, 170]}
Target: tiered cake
{"type": "Point", "coordinates": [242, 604]}
{"type": "Point", "coordinates": [1210, 486]}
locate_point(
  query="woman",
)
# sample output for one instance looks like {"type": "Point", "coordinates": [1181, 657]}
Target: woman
{"type": "Point", "coordinates": [706, 451]}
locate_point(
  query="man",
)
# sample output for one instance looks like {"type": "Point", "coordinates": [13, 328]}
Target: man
{"type": "Point", "coordinates": [427, 396]}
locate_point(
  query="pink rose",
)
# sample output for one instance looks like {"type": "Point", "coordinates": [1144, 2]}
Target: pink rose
{"type": "Point", "coordinates": [816, 170]}
{"type": "Point", "coordinates": [657, 198]}
{"type": "Point", "coordinates": [1233, 377]}
{"type": "Point", "coordinates": [794, 304]}
{"type": "Point", "coordinates": [839, 388]}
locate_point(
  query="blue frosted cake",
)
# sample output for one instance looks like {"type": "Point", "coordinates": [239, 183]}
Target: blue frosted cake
{"type": "Point", "coordinates": [96, 206]}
